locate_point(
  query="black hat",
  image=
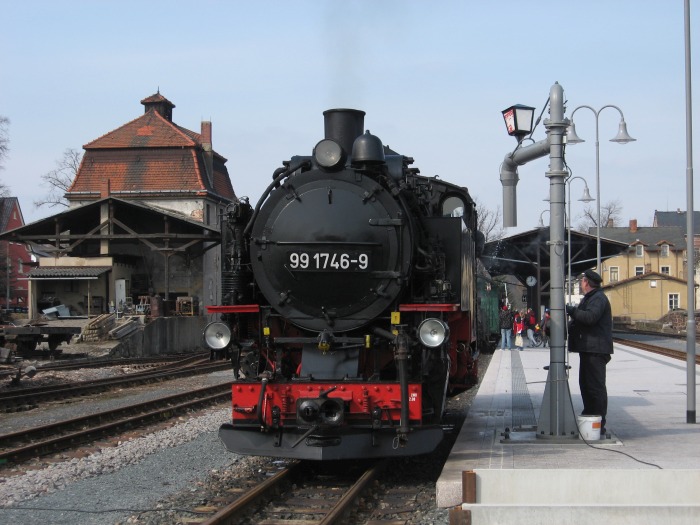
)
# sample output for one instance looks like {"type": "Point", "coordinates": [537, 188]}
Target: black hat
{"type": "Point", "coordinates": [593, 277]}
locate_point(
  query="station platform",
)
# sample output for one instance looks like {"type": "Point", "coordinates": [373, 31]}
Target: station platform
{"type": "Point", "coordinates": [646, 471]}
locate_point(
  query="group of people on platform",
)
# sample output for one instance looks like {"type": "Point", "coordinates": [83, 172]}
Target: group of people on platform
{"type": "Point", "coordinates": [516, 325]}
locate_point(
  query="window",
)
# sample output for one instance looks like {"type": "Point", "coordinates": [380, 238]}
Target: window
{"type": "Point", "coordinates": [666, 270]}
{"type": "Point", "coordinates": [639, 270]}
{"type": "Point", "coordinates": [673, 301]}
{"type": "Point", "coordinates": [453, 207]}
{"type": "Point", "coordinates": [639, 250]}
{"type": "Point", "coordinates": [20, 265]}
{"type": "Point", "coordinates": [614, 274]}
{"type": "Point", "coordinates": [664, 250]}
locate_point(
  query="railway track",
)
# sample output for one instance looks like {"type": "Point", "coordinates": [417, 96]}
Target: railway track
{"type": "Point", "coordinates": [297, 494]}
{"type": "Point", "coordinates": [669, 352]}
{"type": "Point", "coordinates": [305, 493]}
{"type": "Point", "coordinates": [28, 398]}
{"type": "Point", "coordinates": [20, 446]}
{"type": "Point", "coordinates": [166, 360]}
{"type": "Point", "coordinates": [80, 363]}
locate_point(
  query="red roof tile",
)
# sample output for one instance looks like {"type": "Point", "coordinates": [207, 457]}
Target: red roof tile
{"type": "Point", "coordinates": [150, 130]}
{"type": "Point", "coordinates": [153, 170]}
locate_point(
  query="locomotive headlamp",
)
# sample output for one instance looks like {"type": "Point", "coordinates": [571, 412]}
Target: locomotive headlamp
{"type": "Point", "coordinates": [328, 154]}
{"type": "Point", "coordinates": [433, 332]}
{"type": "Point", "coordinates": [518, 120]}
{"type": "Point", "coordinates": [217, 335]}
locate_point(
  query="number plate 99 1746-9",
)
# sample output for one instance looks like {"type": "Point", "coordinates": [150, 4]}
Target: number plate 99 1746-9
{"type": "Point", "coordinates": [329, 261]}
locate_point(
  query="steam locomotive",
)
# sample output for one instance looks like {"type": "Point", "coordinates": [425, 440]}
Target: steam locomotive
{"type": "Point", "coordinates": [348, 303]}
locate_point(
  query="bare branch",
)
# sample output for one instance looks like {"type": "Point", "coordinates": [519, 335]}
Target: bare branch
{"type": "Point", "coordinates": [4, 150]}
{"type": "Point", "coordinates": [60, 179]}
{"type": "Point", "coordinates": [610, 215]}
{"type": "Point", "coordinates": [4, 139]}
{"type": "Point", "coordinates": [489, 221]}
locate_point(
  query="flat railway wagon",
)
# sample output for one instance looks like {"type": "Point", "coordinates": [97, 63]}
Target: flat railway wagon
{"type": "Point", "coordinates": [26, 338]}
{"type": "Point", "coordinates": [349, 303]}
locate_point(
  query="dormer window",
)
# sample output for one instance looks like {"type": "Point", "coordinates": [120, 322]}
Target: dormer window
{"type": "Point", "coordinates": [664, 250]}
{"type": "Point", "coordinates": [639, 250]}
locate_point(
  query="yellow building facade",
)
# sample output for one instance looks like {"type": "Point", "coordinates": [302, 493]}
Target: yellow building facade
{"type": "Point", "coordinates": [646, 297]}
{"type": "Point", "coordinates": [649, 279]}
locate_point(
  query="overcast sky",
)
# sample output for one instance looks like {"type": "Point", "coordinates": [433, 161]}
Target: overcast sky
{"type": "Point", "coordinates": [432, 76]}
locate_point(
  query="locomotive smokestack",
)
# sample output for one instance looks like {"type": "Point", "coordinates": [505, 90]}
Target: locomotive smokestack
{"type": "Point", "coordinates": [344, 126]}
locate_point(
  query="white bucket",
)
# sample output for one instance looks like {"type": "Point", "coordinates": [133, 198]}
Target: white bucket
{"type": "Point", "coordinates": [589, 427]}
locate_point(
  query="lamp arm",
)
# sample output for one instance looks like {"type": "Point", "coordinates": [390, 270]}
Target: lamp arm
{"type": "Point", "coordinates": [622, 115]}
{"type": "Point", "coordinates": [509, 177]}
{"type": "Point", "coordinates": [587, 107]}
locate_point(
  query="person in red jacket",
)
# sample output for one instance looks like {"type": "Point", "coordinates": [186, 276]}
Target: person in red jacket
{"type": "Point", "coordinates": [518, 329]}
{"type": "Point", "coordinates": [530, 323]}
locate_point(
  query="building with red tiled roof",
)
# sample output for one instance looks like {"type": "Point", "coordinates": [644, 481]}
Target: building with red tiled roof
{"type": "Point", "coordinates": [143, 210]}
{"type": "Point", "coordinates": [153, 160]}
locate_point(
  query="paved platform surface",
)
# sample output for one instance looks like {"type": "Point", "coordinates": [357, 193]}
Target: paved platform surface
{"type": "Point", "coordinates": [646, 471]}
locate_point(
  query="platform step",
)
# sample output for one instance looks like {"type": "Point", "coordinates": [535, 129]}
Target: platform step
{"type": "Point", "coordinates": [578, 514]}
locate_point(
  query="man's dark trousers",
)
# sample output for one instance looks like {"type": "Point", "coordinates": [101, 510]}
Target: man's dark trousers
{"type": "Point", "coordinates": [591, 380]}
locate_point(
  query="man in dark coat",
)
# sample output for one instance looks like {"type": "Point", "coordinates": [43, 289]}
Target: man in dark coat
{"type": "Point", "coordinates": [505, 321]}
{"type": "Point", "coordinates": [590, 335]}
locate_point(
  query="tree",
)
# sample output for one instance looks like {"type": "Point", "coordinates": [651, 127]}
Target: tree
{"type": "Point", "coordinates": [4, 149]}
{"type": "Point", "coordinates": [60, 179]}
{"type": "Point", "coordinates": [610, 215]}
{"type": "Point", "coordinates": [4, 139]}
{"type": "Point", "coordinates": [489, 221]}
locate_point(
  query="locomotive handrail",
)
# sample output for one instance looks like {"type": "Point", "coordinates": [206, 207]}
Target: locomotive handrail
{"type": "Point", "coordinates": [446, 307]}
{"type": "Point", "coordinates": [277, 178]}
{"type": "Point", "coordinates": [233, 309]}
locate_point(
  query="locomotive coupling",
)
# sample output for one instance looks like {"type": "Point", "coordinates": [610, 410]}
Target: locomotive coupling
{"type": "Point", "coordinates": [321, 411]}
{"type": "Point", "coordinates": [325, 340]}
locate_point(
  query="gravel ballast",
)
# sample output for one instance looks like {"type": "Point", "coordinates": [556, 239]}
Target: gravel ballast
{"type": "Point", "coordinates": [116, 482]}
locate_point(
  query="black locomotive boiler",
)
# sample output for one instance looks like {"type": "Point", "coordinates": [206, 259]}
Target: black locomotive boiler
{"type": "Point", "coordinates": [348, 303]}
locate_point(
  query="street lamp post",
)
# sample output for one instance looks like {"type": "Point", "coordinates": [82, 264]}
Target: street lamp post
{"type": "Point", "coordinates": [586, 198]}
{"type": "Point", "coordinates": [622, 137]}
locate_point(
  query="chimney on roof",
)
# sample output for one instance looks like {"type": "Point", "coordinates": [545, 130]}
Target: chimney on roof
{"type": "Point", "coordinates": [105, 190]}
{"type": "Point", "coordinates": [208, 151]}
{"type": "Point", "coordinates": [633, 225]}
